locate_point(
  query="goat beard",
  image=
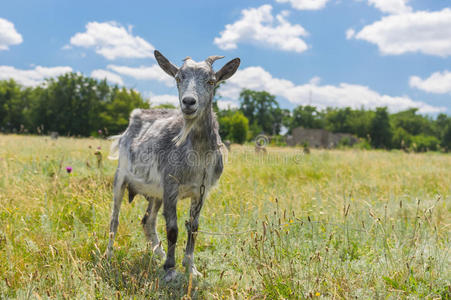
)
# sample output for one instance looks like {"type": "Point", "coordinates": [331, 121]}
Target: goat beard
{"type": "Point", "coordinates": [183, 134]}
{"type": "Point", "coordinates": [189, 124]}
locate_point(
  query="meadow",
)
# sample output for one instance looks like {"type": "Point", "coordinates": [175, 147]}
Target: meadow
{"type": "Point", "coordinates": [286, 225]}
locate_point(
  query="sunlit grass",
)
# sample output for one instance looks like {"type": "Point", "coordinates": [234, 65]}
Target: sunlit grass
{"type": "Point", "coordinates": [341, 223]}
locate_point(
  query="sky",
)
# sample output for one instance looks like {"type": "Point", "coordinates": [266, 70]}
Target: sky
{"type": "Point", "coordinates": [358, 53]}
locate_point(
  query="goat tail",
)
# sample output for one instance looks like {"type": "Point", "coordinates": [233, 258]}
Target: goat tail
{"type": "Point", "coordinates": [114, 149]}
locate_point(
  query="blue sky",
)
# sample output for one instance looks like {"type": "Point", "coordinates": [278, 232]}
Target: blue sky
{"type": "Point", "coordinates": [369, 53]}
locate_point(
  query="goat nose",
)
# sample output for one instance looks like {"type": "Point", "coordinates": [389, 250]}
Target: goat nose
{"type": "Point", "coordinates": [188, 101]}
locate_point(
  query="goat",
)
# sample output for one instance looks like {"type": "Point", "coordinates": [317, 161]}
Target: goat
{"type": "Point", "coordinates": [166, 155]}
{"type": "Point", "coordinates": [228, 144]}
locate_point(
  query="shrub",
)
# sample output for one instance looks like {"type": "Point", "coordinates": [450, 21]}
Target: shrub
{"type": "Point", "coordinates": [423, 143]}
{"type": "Point", "coordinates": [363, 144]}
{"type": "Point", "coordinates": [278, 140]}
{"type": "Point", "coordinates": [234, 126]}
{"type": "Point", "coordinates": [401, 139]}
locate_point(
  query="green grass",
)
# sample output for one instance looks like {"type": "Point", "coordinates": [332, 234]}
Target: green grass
{"type": "Point", "coordinates": [332, 224]}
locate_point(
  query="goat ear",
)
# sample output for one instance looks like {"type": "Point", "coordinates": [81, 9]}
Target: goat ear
{"type": "Point", "coordinates": [165, 64]}
{"type": "Point", "coordinates": [228, 70]}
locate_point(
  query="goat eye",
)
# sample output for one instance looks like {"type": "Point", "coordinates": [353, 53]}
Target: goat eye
{"type": "Point", "coordinates": [211, 82]}
{"type": "Point", "coordinates": [178, 79]}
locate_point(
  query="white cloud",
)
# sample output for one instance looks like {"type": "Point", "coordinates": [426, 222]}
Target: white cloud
{"type": "Point", "coordinates": [345, 94]}
{"type": "Point", "coordinates": [391, 6]}
{"type": "Point", "coordinates": [257, 25]}
{"type": "Point", "coordinates": [315, 80]}
{"type": "Point", "coordinates": [164, 99]}
{"type": "Point", "coordinates": [350, 33]}
{"type": "Point", "coordinates": [144, 73]}
{"type": "Point", "coordinates": [109, 76]}
{"type": "Point", "coordinates": [31, 77]}
{"type": "Point", "coordinates": [306, 4]}
{"type": "Point", "coordinates": [227, 104]}
{"type": "Point", "coordinates": [422, 31]}
{"type": "Point", "coordinates": [8, 35]}
{"type": "Point", "coordinates": [438, 83]}
{"type": "Point", "coordinates": [112, 41]}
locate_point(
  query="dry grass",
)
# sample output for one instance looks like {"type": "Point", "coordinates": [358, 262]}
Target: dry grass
{"type": "Point", "coordinates": [332, 224]}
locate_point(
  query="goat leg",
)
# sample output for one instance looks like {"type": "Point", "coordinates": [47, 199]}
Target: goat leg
{"type": "Point", "coordinates": [118, 195]}
{"type": "Point", "coordinates": [191, 227]}
{"type": "Point", "coordinates": [170, 215]}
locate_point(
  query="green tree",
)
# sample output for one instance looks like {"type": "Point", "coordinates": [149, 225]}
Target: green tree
{"type": "Point", "coordinates": [306, 116]}
{"type": "Point", "coordinates": [446, 138]}
{"type": "Point", "coordinates": [423, 143]}
{"type": "Point", "coordinates": [413, 123]}
{"type": "Point", "coordinates": [348, 120]}
{"type": "Point", "coordinates": [116, 112]}
{"type": "Point", "coordinates": [14, 106]}
{"type": "Point", "coordinates": [262, 110]}
{"type": "Point", "coordinates": [337, 119]}
{"type": "Point", "coordinates": [401, 139]}
{"type": "Point", "coordinates": [233, 125]}
{"type": "Point", "coordinates": [71, 104]}
{"type": "Point", "coordinates": [380, 129]}
{"type": "Point", "coordinates": [76, 105]}
{"type": "Point", "coordinates": [443, 130]}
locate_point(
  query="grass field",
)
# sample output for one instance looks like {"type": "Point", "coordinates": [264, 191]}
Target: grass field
{"type": "Point", "coordinates": [331, 224]}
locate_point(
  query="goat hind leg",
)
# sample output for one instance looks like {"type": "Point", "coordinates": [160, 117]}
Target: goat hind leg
{"type": "Point", "coordinates": [149, 223]}
{"type": "Point", "coordinates": [192, 226]}
{"type": "Point", "coordinates": [118, 195]}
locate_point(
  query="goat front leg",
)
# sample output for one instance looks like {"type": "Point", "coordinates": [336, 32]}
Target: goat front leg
{"type": "Point", "coordinates": [170, 215]}
{"type": "Point", "coordinates": [191, 227]}
{"type": "Point", "coordinates": [118, 195]}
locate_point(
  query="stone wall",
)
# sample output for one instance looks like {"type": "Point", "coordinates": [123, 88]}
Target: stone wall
{"type": "Point", "coordinates": [318, 138]}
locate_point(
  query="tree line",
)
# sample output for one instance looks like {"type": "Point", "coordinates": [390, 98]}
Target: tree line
{"type": "Point", "coordinates": [376, 128]}
{"type": "Point", "coordinates": [73, 104]}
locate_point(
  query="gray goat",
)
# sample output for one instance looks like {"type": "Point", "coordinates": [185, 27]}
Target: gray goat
{"type": "Point", "coordinates": [166, 155]}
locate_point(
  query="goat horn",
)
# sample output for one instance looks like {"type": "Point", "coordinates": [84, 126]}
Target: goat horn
{"type": "Point", "coordinates": [211, 59]}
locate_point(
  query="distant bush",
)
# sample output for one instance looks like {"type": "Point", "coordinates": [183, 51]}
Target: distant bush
{"type": "Point", "coordinates": [344, 142]}
{"type": "Point", "coordinates": [233, 126]}
{"type": "Point", "coordinates": [363, 144]}
{"type": "Point", "coordinates": [278, 140]}
{"type": "Point", "coordinates": [423, 143]}
{"type": "Point", "coordinates": [401, 139]}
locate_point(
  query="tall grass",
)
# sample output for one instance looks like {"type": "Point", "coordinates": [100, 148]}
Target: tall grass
{"type": "Point", "coordinates": [332, 224]}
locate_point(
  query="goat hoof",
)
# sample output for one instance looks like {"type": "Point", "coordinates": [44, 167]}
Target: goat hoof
{"type": "Point", "coordinates": [170, 275]}
{"type": "Point", "coordinates": [193, 270]}
{"type": "Point", "coordinates": [159, 252]}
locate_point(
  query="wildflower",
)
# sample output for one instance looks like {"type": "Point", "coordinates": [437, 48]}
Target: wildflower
{"type": "Point", "coordinates": [99, 131]}
{"type": "Point", "coordinates": [317, 294]}
{"type": "Point", "coordinates": [98, 155]}
{"type": "Point", "coordinates": [68, 169]}
{"type": "Point", "coordinates": [98, 148]}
